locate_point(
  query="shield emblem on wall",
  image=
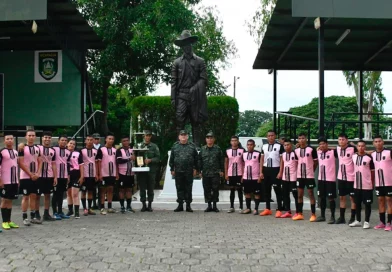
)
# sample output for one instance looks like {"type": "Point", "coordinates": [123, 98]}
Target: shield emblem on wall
{"type": "Point", "coordinates": [48, 64]}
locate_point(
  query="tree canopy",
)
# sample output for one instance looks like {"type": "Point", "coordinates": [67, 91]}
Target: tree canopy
{"type": "Point", "coordinates": [250, 120]}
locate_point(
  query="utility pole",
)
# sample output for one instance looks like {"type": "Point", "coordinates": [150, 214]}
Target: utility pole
{"type": "Point", "coordinates": [235, 80]}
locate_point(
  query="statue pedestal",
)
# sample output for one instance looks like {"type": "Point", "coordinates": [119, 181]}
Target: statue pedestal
{"type": "Point", "coordinates": [169, 192]}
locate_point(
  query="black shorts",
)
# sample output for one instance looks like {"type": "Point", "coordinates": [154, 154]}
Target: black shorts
{"type": "Point", "coordinates": [43, 186]}
{"type": "Point", "coordinates": [270, 174]}
{"type": "Point", "coordinates": [384, 191]}
{"type": "Point", "coordinates": [61, 185]}
{"type": "Point", "coordinates": [9, 191]}
{"type": "Point", "coordinates": [88, 185]}
{"type": "Point", "coordinates": [364, 196]}
{"type": "Point", "coordinates": [293, 185]}
{"type": "Point", "coordinates": [345, 187]}
{"type": "Point", "coordinates": [252, 186]}
{"type": "Point", "coordinates": [234, 181]}
{"type": "Point", "coordinates": [326, 189]}
{"type": "Point", "coordinates": [26, 187]}
{"type": "Point", "coordinates": [308, 182]}
{"type": "Point", "coordinates": [126, 182]}
{"type": "Point", "coordinates": [107, 182]}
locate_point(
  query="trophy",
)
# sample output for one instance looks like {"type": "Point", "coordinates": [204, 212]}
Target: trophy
{"type": "Point", "coordinates": [139, 149]}
{"type": "Point", "coordinates": [140, 161]}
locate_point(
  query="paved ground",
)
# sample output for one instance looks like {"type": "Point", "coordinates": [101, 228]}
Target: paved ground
{"type": "Point", "coordinates": [167, 241]}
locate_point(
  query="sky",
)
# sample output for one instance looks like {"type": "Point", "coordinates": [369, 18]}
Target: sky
{"type": "Point", "coordinates": [254, 88]}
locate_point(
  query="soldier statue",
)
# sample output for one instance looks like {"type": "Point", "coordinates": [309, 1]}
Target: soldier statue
{"type": "Point", "coordinates": [188, 87]}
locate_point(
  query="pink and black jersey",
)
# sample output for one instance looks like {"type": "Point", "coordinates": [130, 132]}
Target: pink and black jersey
{"type": "Point", "coordinates": [62, 157]}
{"type": "Point", "coordinates": [236, 161]}
{"type": "Point", "coordinates": [75, 160]}
{"type": "Point", "coordinates": [327, 165]}
{"type": "Point", "coordinates": [9, 166]}
{"type": "Point", "coordinates": [107, 156]}
{"type": "Point", "coordinates": [383, 167]}
{"type": "Point", "coordinates": [363, 166]}
{"type": "Point", "coordinates": [124, 163]}
{"type": "Point", "coordinates": [89, 158]}
{"type": "Point", "coordinates": [48, 155]}
{"type": "Point", "coordinates": [30, 156]}
{"type": "Point", "coordinates": [346, 165]}
{"type": "Point", "coordinates": [306, 157]}
{"type": "Point", "coordinates": [290, 164]}
{"type": "Point", "coordinates": [251, 165]}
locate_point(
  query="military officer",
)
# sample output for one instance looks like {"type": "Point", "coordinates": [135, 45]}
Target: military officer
{"type": "Point", "coordinates": [211, 165]}
{"type": "Point", "coordinates": [183, 166]}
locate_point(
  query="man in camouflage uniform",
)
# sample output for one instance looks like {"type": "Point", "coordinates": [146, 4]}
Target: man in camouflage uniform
{"type": "Point", "coordinates": [183, 166]}
{"type": "Point", "coordinates": [211, 164]}
{"type": "Point", "coordinates": [146, 180]}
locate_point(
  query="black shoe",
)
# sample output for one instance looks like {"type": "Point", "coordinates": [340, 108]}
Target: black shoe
{"type": "Point", "coordinates": [149, 209]}
{"type": "Point", "coordinates": [144, 208]}
{"type": "Point", "coordinates": [340, 221]}
{"type": "Point", "coordinates": [47, 217]}
{"type": "Point", "coordinates": [122, 210]}
{"type": "Point", "coordinates": [215, 209]}
{"type": "Point", "coordinates": [209, 209]}
{"type": "Point", "coordinates": [331, 220]}
{"type": "Point", "coordinates": [180, 208]}
{"type": "Point", "coordinates": [188, 208]}
{"type": "Point", "coordinates": [320, 219]}
{"type": "Point", "coordinates": [95, 207]}
{"type": "Point", "coordinates": [352, 219]}
{"type": "Point", "coordinates": [70, 213]}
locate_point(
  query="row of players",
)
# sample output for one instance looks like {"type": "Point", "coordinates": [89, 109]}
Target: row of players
{"type": "Point", "coordinates": [45, 170]}
{"type": "Point", "coordinates": [288, 170]}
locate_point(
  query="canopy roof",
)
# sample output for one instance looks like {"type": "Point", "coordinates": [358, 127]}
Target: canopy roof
{"type": "Point", "coordinates": [65, 28]}
{"type": "Point", "coordinates": [291, 43]}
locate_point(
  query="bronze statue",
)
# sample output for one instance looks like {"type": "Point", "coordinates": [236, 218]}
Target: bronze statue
{"type": "Point", "coordinates": [188, 87]}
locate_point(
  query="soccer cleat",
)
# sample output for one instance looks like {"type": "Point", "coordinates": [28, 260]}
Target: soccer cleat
{"type": "Point", "coordinates": [47, 217]}
{"type": "Point", "coordinates": [122, 210]}
{"type": "Point", "coordinates": [63, 216]}
{"type": "Point", "coordinates": [266, 212]}
{"type": "Point", "coordinates": [255, 212]}
{"type": "Point", "coordinates": [6, 226]}
{"type": "Point", "coordinates": [36, 221]}
{"type": "Point", "coordinates": [341, 221]}
{"type": "Point", "coordinates": [130, 210]}
{"type": "Point", "coordinates": [388, 227]}
{"type": "Point", "coordinates": [366, 225]}
{"type": "Point", "coordinates": [91, 212]}
{"type": "Point", "coordinates": [13, 225]}
{"type": "Point", "coordinates": [56, 216]}
{"type": "Point", "coordinates": [299, 216]}
{"type": "Point", "coordinates": [278, 214]}
{"type": "Point", "coordinates": [231, 210]}
{"type": "Point", "coordinates": [111, 210]}
{"type": "Point", "coordinates": [286, 215]}
{"type": "Point", "coordinates": [103, 212]}
{"type": "Point", "coordinates": [77, 216]}
{"type": "Point", "coordinates": [70, 213]}
{"type": "Point", "coordinates": [380, 226]}
{"type": "Point", "coordinates": [313, 218]}
{"type": "Point", "coordinates": [355, 224]}
{"type": "Point", "coordinates": [352, 219]}
{"type": "Point", "coordinates": [26, 222]}
{"type": "Point", "coordinates": [331, 220]}
{"type": "Point", "coordinates": [85, 212]}
{"type": "Point", "coordinates": [246, 211]}
{"type": "Point", "coordinates": [319, 219]}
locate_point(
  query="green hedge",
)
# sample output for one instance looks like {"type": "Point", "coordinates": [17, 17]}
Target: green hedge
{"type": "Point", "coordinates": [158, 115]}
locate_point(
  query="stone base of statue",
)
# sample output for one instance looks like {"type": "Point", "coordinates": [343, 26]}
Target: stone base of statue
{"type": "Point", "coordinates": [169, 192]}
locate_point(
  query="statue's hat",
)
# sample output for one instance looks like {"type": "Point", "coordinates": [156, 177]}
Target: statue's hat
{"type": "Point", "coordinates": [185, 38]}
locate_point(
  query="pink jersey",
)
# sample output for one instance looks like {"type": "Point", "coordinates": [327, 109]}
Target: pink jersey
{"type": "Point", "coordinates": [30, 156]}
{"type": "Point", "coordinates": [290, 164]}
{"type": "Point", "coordinates": [306, 157]}
{"type": "Point", "coordinates": [363, 166]}
{"type": "Point", "coordinates": [48, 155]}
{"type": "Point", "coordinates": [346, 165]}
{"type": "Point", "coordinates": [123, 161]}
{"type": "Point", "coordinates": [107, 156]}
{"type": "Point", "coordinates": [89, 158]}
{"type": "Point", "coordinates": [75, 160]}
{"type": "Point", "coordinates": [327, 165]}
{"type": "Point", "coordinates": [252, 165]}
{"type": "Point", "coordinates": [62, 158]}
{"type": "Point", "coordinates": [383, 167]}
{"type": "Point", "coordinates": [236, 161]}
{"type": "Point", "coordinates": [9, 166]}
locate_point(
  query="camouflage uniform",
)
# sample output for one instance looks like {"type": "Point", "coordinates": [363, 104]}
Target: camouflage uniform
{"type": "Point", "coordinates": [183, 159]}
{"type": "Point", "coordinates": [146, 180]}
{"type": "Point", "coordinates": [211, 163]}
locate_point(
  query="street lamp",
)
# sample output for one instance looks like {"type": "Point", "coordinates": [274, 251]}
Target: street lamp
{"type": "Point", "coordinates": [235, 80]}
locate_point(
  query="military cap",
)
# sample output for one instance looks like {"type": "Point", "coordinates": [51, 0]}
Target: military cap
{"type": "Point", "coordinates": [147, 132]}
{"type": "Point", "coordinates": [183, 131]}
{"type": "Point", "coordinates": [210, 134]}
{"type": "Point", "coordinates": [96, 136]}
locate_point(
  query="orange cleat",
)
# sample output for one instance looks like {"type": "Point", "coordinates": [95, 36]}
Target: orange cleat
{"type": "Point", "coordinates": [266, 212]}
{"type": "Point", "coordinates": [313, 218]}
{"type": "Point", "coordinates": [298, 216]}
{"type": "Point", "coordinates": [278, 214]}
{"type": "Point", "coordinates": [286, 215]}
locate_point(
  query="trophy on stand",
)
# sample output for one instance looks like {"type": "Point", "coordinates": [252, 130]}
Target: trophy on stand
{"type": "Point", "coordinates": [139, 149]}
